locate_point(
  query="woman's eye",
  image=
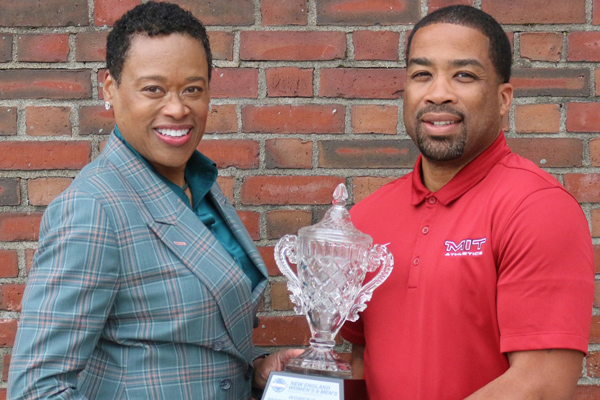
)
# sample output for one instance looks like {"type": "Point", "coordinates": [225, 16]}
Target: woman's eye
{"type": "Point", "coordinates": [194, 90]}
{"type": "Point", "coordinates": [152, 89]}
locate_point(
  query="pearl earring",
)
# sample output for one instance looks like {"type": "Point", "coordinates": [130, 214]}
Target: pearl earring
{"type": "Point", "coordinates": [107, 105]}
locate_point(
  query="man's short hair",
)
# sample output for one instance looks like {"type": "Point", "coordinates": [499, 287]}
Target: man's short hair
{"type": "Point", "coordinates": [500, 51]}
{"type": "Point", "coordinates": [151, 19]}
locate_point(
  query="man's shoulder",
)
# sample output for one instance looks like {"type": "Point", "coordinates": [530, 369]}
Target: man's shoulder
{"type": "Point", "coordinates": [390, 192]}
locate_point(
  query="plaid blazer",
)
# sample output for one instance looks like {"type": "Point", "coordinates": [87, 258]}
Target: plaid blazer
{"type": "Point", "coordinates": [131, 297]}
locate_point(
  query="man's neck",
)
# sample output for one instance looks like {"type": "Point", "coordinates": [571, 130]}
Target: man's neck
{"type": "Point", "coordinates": [435, 176]}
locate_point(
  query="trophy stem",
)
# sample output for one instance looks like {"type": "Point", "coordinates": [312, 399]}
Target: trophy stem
{"type": "Point", "coordinates": [320, 359]}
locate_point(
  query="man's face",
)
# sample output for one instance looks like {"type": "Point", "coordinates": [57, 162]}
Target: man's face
{"type": "Point", "coordinates": [453, 100]}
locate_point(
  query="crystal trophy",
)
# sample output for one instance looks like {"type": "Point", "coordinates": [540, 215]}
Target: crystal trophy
{"type": "Point", "coordinates": [332, 259]}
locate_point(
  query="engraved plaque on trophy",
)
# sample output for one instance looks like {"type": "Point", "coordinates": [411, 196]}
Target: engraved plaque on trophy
{"type": "Point", "coordinates": [332, 259]}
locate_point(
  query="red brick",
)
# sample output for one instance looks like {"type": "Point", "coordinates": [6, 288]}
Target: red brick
{"type": "Point", "coordinates": [45, 84]}
{"type": "Point", "coordinates": [221, 12]}
{"type": "Point", "coordinates": [542, 46]}
{"type": "Point", "coordinates": [234, 82]}
{"type": "Point", "coordinates": [286, 190]}
{"type": "Point", "coordinates": [10, 194]}
{"type": "Point", "coordinates": [367, 153]}
{"type": "Point", "coordinates": [8, 121]}
{"type": "Point", "coordinates": [313, 118]}
{"type": "Point", "coordinates": [595, 330]}
{"type": "Point", "coordinates": [95, 120]}
{"type": "Point", "coordinates": [282, 331]}
{"type": "Point", "coordinates": [549, 153]}
{"type": "Point", "coordinates": [587, 392]}
{"type": "Point", "coordinates": [559, 82]}
{"type": "Point", "coordinates": [251, 221]}
{"type": "Point", "coordinates": [280, 297]}
{"type": "Point", "coordinates": [436, 4]}
{"type": "Point", "coordinates": [597, 258]}
{"type": "Point", "coordinates": [289, 82]}
{"type": "Point", "coordinates": [48, 121]}
{"type": "Point", "coordinates": [29, 253]}
{"type": "Point", "coordinates": [42, 191]}
{"type": "Point", "coordinates": [288, 153]}
{"type": "Point", "coordinates": [5, 366]}
{"type": "Point", "coordinates": [584, 46]}
{"type": "Point", "coordinates": [268, 257]}
{"type": "Point", "coordinates": [595, 152]}
{"type": "Point", "coordinates": [43, 47]}
{"type": "Point", "coordinates": [90, 46]}
{"type": "Point", "coordinates": [283, 222]}
{"type": "Point", "coordinates": [376, 45]}
{"type": "Point", "coordinates": [9, 264]}
{"type": "Point", "coordinates": [37, 13]}
{"type": "Point", "coordinates": [371, 118]}
{"type": "Point", "coordinates": [592, 363]}
{"type": "Point", "coordinates": [583, 117]}
{"type": "Point", "coordinates": [238, 153]}
{"type": "Point", "coordinates": [292, 45]}
{"type": "Point", "coordinates": [365, 185]}
{"type": "Point", "coordinates": [222, 119]}
{"type": "Point", "coordinates": [537, 118]}
{"type": "Point", "coordinates": [362, 83]}
{"type": "Point", "coordinates": [44, 155]}
{"type": "Point", "coordinates": [19, 226]}
{"type": "Point", "coordinates": [227, 184]}
{"type": "Point", "coordinates": [8, 331]}
{"type": "Point", "coordinates": [367, 12]}
{"type": "Point", "coordinates": [284, 12]}
{"type": "Point", "coordinates": [221, 45]}
{"type": "Point", "coordinates": [536, 11]}
{"type": "Point", "coordinates": [107, 12]}
{"type": "Point", "coordinates": [6, 45]}
{"type": "Point", "coordinates": [584, 187]}
{"type": "Point", "coordinates": [597, 294]}
{"type": "Point", "coordinates": [596, 12]}
{"type": "Point", "coordinates": [11, 296]}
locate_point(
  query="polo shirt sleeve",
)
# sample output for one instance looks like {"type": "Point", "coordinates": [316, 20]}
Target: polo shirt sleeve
{"type": "Point", "coordinates": [545, 275]}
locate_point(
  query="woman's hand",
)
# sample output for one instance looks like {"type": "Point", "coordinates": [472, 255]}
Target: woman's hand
{"type": "Point", "coordinates": [273, 362]}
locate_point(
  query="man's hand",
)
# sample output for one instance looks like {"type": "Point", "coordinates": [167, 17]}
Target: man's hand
{"type": "Point", "coordinates": [273, 362]}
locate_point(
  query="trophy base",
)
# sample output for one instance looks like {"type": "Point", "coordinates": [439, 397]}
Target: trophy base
{"type": "Point", "coordinates": [290, 386]}
{"type": "Point", "coordinates": [320, 362]}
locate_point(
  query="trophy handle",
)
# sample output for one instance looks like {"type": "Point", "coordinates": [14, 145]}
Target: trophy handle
{"type": "Point", "coordinates": [378, 256]}
{"type": "Point", "coordinates": [285, 250]}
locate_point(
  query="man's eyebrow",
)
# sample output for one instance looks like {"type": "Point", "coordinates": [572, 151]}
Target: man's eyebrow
{"type": "Point", "coordinates": [466, 62]}
{"type": "Point", "coordinates": [420, 61]}
{"type": "Point", "coordinates": [162, 78]}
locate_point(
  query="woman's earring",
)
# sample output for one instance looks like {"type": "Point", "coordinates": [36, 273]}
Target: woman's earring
{"type": "Point", "coordinates": [107, 105]}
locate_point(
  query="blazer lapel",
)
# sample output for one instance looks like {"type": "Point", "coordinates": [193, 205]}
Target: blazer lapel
{"type": "Point", "coordinates": [185, 235]}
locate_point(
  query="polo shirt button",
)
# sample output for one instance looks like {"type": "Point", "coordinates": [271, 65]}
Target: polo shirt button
{"type": "Point", "coordinates": [225, 384]}
{"type": "Point", "coordinates": [416, 261]}
{"type": "Point", "coordinates": [425, 230]}
{"type": "Point", "coordinates": [432, 200]}
{"type": "Point", "coordinates": [218, 345]}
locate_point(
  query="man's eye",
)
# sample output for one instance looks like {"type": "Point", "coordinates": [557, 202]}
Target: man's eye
{"type": "Point", "coordinates": [466, 77]}
{"type": "Point", "coordinates": [419, 75]}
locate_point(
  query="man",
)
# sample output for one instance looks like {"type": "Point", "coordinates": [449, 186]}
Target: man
{"type": "Point", "coordinates": [492, 289]}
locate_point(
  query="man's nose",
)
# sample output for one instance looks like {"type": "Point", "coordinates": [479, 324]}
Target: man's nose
{"type": "Point", "coordinates": [440, 91]}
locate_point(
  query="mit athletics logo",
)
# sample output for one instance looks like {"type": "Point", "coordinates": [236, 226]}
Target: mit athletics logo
{"type": "Point", "coordinates": [466, 247]}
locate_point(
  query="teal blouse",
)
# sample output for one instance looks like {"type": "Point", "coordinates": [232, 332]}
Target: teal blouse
{"type": "Point", "coordinates": [200, 175]}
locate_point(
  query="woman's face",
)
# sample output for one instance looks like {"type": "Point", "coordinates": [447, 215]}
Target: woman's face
{"type": "Point", "coordinates": [161, 104]}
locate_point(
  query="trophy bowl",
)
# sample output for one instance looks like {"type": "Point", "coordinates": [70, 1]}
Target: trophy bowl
{"type": "Point", "coordinates": [332, 259]}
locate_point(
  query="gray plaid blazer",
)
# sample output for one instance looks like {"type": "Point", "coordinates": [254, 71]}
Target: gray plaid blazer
{"type": "Point", "coordinates": [131, 297]}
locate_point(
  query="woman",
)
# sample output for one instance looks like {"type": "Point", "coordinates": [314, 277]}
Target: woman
{"type": "Point", "coordinates": [145, 284]}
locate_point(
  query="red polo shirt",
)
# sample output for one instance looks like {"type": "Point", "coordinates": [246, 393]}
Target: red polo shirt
{"type": "Point", "coordinates": [498, 260]}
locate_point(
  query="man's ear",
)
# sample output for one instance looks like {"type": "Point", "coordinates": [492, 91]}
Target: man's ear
{"type": "Point", "coordinates": [505, 96]}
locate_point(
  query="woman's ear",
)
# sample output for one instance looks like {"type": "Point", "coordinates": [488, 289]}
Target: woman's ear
{"type": "Point", "coordinates": [108, 87]}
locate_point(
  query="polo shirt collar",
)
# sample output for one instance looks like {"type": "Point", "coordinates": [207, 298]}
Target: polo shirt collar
{"type": "Point", "coordinates": [465, 179]}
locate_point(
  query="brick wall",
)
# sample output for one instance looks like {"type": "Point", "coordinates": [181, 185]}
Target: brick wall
{"type": "Point", "coordinates": [306, 94]}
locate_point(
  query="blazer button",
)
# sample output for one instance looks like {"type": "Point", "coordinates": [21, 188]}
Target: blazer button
{"type": "Point", "coordinates": [248, 374]}
{"type": "Point", "coordinates": [218, 345]}
{"type": "Point", "coordinates": [225, 384]}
